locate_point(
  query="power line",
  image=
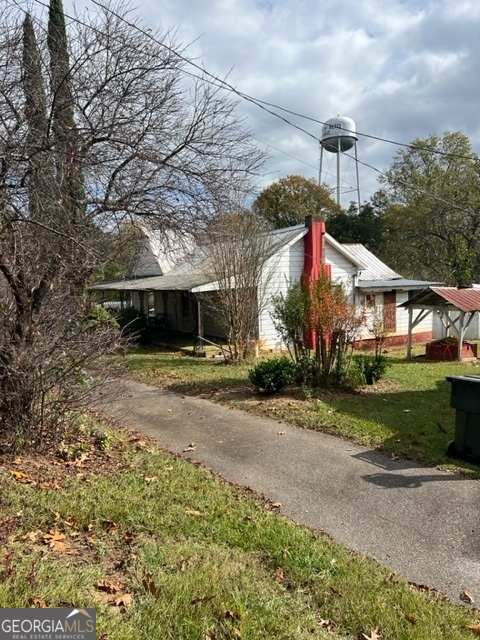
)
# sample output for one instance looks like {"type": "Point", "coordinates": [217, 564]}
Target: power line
{"type": "Point", "coordinates": [219, 83]}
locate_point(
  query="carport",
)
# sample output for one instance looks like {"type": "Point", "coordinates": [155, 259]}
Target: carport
{"type": "Point", "coordinates": [455, 307]}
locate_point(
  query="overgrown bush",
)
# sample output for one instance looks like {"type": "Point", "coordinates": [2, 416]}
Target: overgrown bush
{"type": "Point", "coordinates": [372, 367]}
{"type": "Point", "coordinates": [273, 374]}
{"type": "Point", "coordinates": [99, 316]}
{"type": "Point", "coordinates": [133, 323]}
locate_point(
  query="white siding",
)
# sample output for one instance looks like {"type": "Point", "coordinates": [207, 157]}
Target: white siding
{"type": "Point", "coordinates": [282, 270]}
{"type": "Point", "coordinates": [401, 316]}
{"type": "Point", "coordinates": [342, 269]}
{"type": "Point", "coordinates": [472, 333]}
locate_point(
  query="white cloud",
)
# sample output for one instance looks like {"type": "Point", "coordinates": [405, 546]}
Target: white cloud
{"type": "Point", "coordinates": [400, 68]}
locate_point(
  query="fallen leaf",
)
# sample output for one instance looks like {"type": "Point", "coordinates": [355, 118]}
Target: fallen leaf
{"type": "Point", "coordinates": [109, 587]}
{"type": "Point", "coordinates": [467, 597]}
{"type": "Point", "coordinates": [53, 535]}
{"type": "Point", "coordinates": [124, 601]}
{"type": "Point", "coordinates": [40, 604]}
{"type": "Point", "coordinates": [441, 427]}
{"type": "Point", "coordinates": [32, 535]}
{"type": "Point", "coordinates": [24, 478]}
{"type": "Point", "coordinates": [411, 619]}
{"type": "Point", "coordinates": [393, 456]}
{"type": "Point", "coordinates": [91, 540]}
{"type": "Point", "coordinates": [279, 575]}
{"type": "Point", "coordinates": [335, 592]}
{"type": "Point", "coordinates": [231, 615]}
{"type": "Point", "coordinates": [149, 584]}
{"type": "Point", "coordinates": [374, 635]}
{"type": "Point", "coordinates": [62, 547]}
{"type": "Point", "coordinates": [168, 469]}
{"type": "Point", "coordinates": [71, 522]}
{"type": "Point", "coordinates": [327, 624]}
{"type": "Point", "coordinates": [193, 512]}
{"type": "Point", "coordinates": [169, 410]}
{"type": "Point", "coordinates": [475, 628]}
{"type": "Point", "coordinates": [150, 479]}
{"type": "Point", "coordinates": [281, 433]}
{"type": "Point", "coordinates": [238, 633]}
{"type": "Point", "coordinates": [191, 447]}
{"type": "Point", "coordinates": [110, 526]}
{"type": "Point", "coordinates": [129, 537]}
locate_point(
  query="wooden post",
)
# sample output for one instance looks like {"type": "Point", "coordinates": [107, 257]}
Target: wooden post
{"type": "Point", "coordinates": [409, 339]}
{"type": "Point", "coordinates": [461, 331]}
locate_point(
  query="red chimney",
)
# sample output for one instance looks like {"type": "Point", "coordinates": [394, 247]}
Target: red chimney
{"type": "Point", "coordinates": [314, 261]}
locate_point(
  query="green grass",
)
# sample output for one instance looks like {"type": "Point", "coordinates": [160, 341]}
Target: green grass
{"type": "Point", "coordinates": [407, 414]}
{"type": "Point", "coordinates": [192, 557]}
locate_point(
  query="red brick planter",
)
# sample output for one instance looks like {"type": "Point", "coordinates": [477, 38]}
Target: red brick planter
{"type": "Point", "coordinates": [444, 351]}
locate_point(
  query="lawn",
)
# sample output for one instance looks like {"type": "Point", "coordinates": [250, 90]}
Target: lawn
{"type": "Point", "coordinates": [167, 551]}
{"type": "Point", "coordinates": [406, 414]}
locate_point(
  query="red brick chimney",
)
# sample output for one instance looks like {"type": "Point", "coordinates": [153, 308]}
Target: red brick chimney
{"type": "Point", "coordinates": [314, 261]}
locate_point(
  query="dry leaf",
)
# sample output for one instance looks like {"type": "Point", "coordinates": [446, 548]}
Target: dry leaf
{"type": "Point", "coordinates": [238, 633]}
{"type": "Point", "coordinates": [335, 592]}
{"type": "Point", "coordinates": [169, 410]}
{"type": "Point", "coordinates": [393, 456]}
{"type": "Point", "coordinates": [281, 433]}
{"type": "Point", "coordinates": [33, 535]}
{"type": "Point", "coordinates": [475, 628]}
{"type": "Point", "coordinates": [90, 527]}
{"type": "Point", "coordinates": [149, 479]}
{"type": "Point", "coordinates": [71, 522]}
{"type": "Point", "coordinates": [40, 604]}
{"type": "Point", "coordinates": [124, 601]}
{"type": "Point", "coordinates": [191, 447]}
{"type": "Point", "coordinates": [110, 526]}
{"type": "Point", "coordinates": [192, 512]}
{"type": "Point", "coordinates": [129, 537]}
{"type": "Point", "coordinates": [62, 547]}
{"type": "Point", "coordinates": [109, 587]}
{"type": "Point", "coordinates": [279, 575]}
{"type": "Point", "coordinates": [467, 597]}
{"type": "Point", "coordinates": [91, 540]}
{"type": "Point", "coordinates": [53, 535]}
{"type": "Point", "coordinates": [149, 585]}
{"type": "Point", "coordinates": [231, 615]}
{"type": "Point", "coordinates": [374, 635]}
{"type": "Point", "coordinates": [24, 478]}
{"type": "Point", "coordinates": [168, 469]}
{"type": "Point", "coordinates": [327, 624]}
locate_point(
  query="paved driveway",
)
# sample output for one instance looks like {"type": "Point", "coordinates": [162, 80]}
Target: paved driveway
{"type": "Point", "coordinates": [420, 521]}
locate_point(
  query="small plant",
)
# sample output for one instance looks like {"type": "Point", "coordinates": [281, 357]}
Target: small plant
{"type": "Point", "coordinates": [372, 367]}
{"type": "Point", "coordinates": [133, 322]}
{"type": "Point", "coordinates": [273, 374]}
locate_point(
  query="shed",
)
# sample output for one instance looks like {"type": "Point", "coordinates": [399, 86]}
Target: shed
{"type": "Point", "coordinates": [455, 307]}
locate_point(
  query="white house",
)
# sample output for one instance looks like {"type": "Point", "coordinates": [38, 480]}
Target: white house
{"type": "Point", "coordinates": [165, 278]}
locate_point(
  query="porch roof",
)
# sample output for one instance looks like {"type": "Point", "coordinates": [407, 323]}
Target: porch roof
{"type": "Point", "coordinates": [179, 282]}
{"type": "Point", "coordinates": [466, 300]}
{"type": "Point", "coordinates": [393, 283]}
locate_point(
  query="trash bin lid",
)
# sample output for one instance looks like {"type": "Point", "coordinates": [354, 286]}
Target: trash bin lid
{"type": "Point", "coordinates": [470, 378]}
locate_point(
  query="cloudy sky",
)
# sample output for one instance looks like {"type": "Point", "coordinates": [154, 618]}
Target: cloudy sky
{"type": "Point", "coordinates": [401, 69]}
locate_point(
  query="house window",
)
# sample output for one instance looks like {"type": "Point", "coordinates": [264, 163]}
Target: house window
{"type": "Point", "coordinates": [185, 305]}
{"type": "Point", "coordinates": [370, 300]}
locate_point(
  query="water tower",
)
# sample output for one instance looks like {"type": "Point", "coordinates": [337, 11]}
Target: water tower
{"type": "Point", "coordinates": [338, 136]}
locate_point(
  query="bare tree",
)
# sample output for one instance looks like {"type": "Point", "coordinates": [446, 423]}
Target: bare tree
{"type": "Point", "coordinates": [99, 124]}
{"type": "Point", "coordinates": [239, 251]}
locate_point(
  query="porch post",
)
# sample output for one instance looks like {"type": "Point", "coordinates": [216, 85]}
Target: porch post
{"type": "Point", "coordinates": [409, 339]}
{"type": "Point", "coordinates": [461, 332]}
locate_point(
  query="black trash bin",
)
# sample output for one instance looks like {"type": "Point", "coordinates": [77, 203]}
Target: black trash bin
{"type": "Point", "coordinates": [465, 398]}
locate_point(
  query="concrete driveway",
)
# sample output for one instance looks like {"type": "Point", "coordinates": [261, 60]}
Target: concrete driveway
{"type": "Point", "coordinates": [420, 521]}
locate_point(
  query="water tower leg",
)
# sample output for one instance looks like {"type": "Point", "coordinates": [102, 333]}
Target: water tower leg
{"type": "Point", "coordinates": [338, 174]}
{"type": "Point", "coordinates": [321, 163]}
{"type": "Point", "coordinates": [358, 179]}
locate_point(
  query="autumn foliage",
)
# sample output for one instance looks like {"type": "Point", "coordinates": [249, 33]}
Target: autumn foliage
{"type": "Point", "coordinates": [319, 325]}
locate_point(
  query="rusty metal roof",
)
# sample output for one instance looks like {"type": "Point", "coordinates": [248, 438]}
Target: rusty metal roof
{"type": "Point", "coordinates": [467, 300]}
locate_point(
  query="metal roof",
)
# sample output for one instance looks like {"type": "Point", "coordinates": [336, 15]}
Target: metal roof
{"type": "Point", "coordinates": [374, 269]}
{"type": "Point", "coordinates": [467, 300]}
{"type": "Point", "coordinates": [395, 283]}
{"type": "Point", "coordinates": [180, 282]}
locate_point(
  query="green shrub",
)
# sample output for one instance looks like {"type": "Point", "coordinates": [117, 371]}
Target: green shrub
{"type": "Point", "coordinates": [133, 323]}
{"type": "Point", "coordinates": [372, 367]}
{"type": "Point", "coordinates": [98, 316]}
{"type": "Point", "coordinates": [273, 374]}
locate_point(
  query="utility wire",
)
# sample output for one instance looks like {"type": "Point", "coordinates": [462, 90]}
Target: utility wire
{"type": "Point", "coordinates": [219, 83]}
